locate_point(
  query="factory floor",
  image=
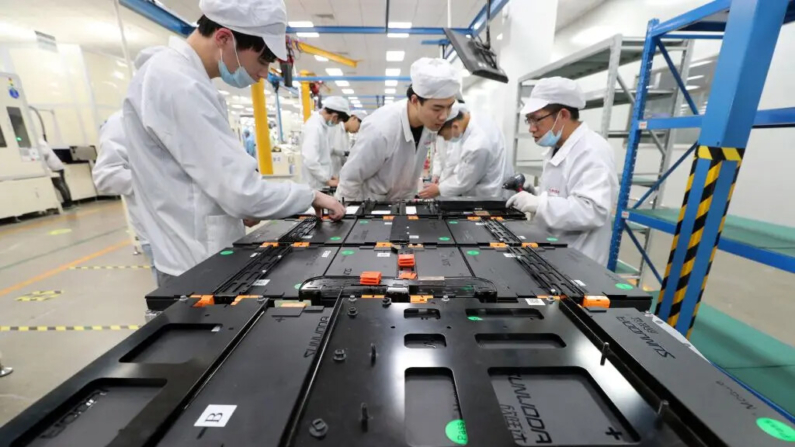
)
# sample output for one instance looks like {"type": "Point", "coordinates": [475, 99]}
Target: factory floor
{"type": "Point", "coordinates": [71, 288]}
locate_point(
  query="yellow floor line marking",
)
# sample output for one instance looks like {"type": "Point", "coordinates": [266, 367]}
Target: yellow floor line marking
{"type": "Point", "coordinates": [63, 267]}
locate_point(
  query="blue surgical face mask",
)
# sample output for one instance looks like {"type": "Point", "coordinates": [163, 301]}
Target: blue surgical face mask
{"type": "Point", "coordinates": [454, 139]}
{"type": "Point", "coordinates": [330, 123]}
{"type": "Point", "coordinates": [550, 139]}
{"type": "Point", "coordinates": [240, 78]}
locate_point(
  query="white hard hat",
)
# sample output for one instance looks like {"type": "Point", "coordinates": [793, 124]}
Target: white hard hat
{"type": "Point", "coordinates": [555, 90]}
{"type": "Point", "coordinates": [337, 103]}
{"type": "Point", "coordinates": [361, 114]}
{"type": "Point", "coordinates": [261, 18]}
{"type": "Point", "coordinates": [434, 78]}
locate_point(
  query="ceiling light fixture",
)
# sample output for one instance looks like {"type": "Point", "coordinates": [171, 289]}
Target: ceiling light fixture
{"type": "Point", "coordinates": [307, 35]}
{"type": "Point", "coordinates": [301, 24]}
{"type": "Point", "coordinates": [391, 83]}
{"type": "Point", "coordinates": [389, 91]}
{"type": "Point", "coordinates": [401, 25]}
{"type": "Point", "coordinates": [334, 71]}
{"type": "Point", "coordinates": [392, 72]}
{"type": "Point", "coordinates": [223, 92]}
{"type": "Point", "coordinates": [342, 83]}
{"type": "Point", "coordinates": [347, 91]}
{"type": "Point", "coordinates": [395, 56]}
{"type": "Point", "coordinates": [397, 35]}
{"type": "Point", "coordinates": [237, 106]}
{"type": "Point", "coordinates": [321, 59]}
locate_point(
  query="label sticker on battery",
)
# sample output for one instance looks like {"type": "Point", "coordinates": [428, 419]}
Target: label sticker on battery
{"type": "Point", "coordinates": [326, 254]}
{"type": "Point", "coordinates": [254, 255]}
{"type": "Point", "coordinates": [480, 224]}
{"type": "Point", "coordinates": [383, 255]}
{"type": "Point", "coordinates": [215, 416]}
{"type": "Point", "coordinates": [411, 210]}
{"type": "Point", "coordinates": [535, 302]}
{"type": "Point", "coordinates": [381, 212]}
{"type": "Point", "coordinates": [578, 282]}
{"type": "Point", "coordinates": [509, 255]}
{"type": "Point", "coordinates": [351, 209]}
{"type": "Point", "coordinates": [414, 236]}
{"type": "Point", "coordinates": [261, 282]}
{"type": "Point", "coordinates": [522, 237]}
{"type": "Point", "coordinates": [308, 236]}
{"type": "Point", "coordinates": [387, 223]}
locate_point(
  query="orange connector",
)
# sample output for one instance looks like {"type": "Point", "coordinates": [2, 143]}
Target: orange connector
{"type": "Point", "coordinates": [498, 245]}
{"type": "Point", "coordinates": [300, 244]}
{"type": "Point", "coordinates": [383, 245]}
{"type": "Point", "coordinates": [420, 299]}
{"type": "Point", "coordinates": [414, 218]}
{"type": "Point", "coordinates": [389, 217]}
{"type": "Point", "coordinates": [370, 278]}
{"type": "Point", "coordinates": [596, 301]}
{"type": "Point", "coordinates": [529, 244]}
{"type": "Point", "coordinates": [270, 244]}
{"type": "Point", "coordinates": [497, 218]}
{"type": "Point", "coordinates": [204, 301]}
{"type": "Point", "coordinates": [406, 260]}
{"type": "Point", "coordinates": [473, 218]}
{"type": "Point", "coordinates": [407, 275]}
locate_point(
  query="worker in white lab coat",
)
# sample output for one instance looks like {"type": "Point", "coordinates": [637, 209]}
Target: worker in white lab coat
{"type": "Point", "coordinates": [192, 178]}
{"type": "Point", "coordinates": [579, 185]}
{"type": "Point", "coordinates": [112, 175]}
{"type": "Point", "coordinates": [390, 151]}
{"type": "Point", "coordinates": [341, 143]}
{"type": "Point", "coordinates": [483, 165]}
{"type": "Point", "coordinates": [316, 142]}
{"type": "Point", "coordinates": [55, 165]}
{"type": "Point", "coordinates": [444, 160]}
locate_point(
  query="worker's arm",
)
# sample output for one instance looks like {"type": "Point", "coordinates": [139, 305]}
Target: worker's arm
{"type": "Point", "coordinates": [112, 173]}
{"type": "Point", "coordinates": [312, 151]}
{"type": "Point", "coordinates": [588, 204]}
{"type": "Point", "coordinates": [197, 135]}
{"type": "Point", "coordinates": [367, 157]}
{"type": "Point", "coordinates": [470, 171]}
{"type": "Point", "coordinates": [437, 161]}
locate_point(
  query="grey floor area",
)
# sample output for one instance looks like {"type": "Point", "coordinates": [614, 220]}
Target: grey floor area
{"type": "Point", "coordinates": [45, 254]}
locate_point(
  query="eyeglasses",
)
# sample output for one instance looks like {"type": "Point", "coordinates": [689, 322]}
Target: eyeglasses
{"type": "Point", "coordinates": [534, 121]}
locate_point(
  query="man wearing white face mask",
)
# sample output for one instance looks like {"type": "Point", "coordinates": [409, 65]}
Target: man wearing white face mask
{"type": "Point", "coordinates": [482, 167]}
{"type": "Point", "coordinates": [579, 186]}
{"type": "Point", "coordinates": [316, 140]}
{"type": "Point", "coordinates": [194, 182]}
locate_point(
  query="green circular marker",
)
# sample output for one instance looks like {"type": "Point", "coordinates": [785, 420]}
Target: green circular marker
{"type": "Point", "coordinates": [456, 431]}
{"type": "Point", "coordinates": [552, 239]}
{"type": "Point", "coordinates": [227, 252]}
{"type": "Point", "coordinates": [297, 286]}
{"type": "Point", "coordinates": [335, 238]}
{"type": "Point", "coordinates": [347, 252]}
{"type": "Point", "coordinates": [623, 286]}
{"type": "Point", "coordinates": [453, 222]}
{"type": "Point", "coordinates": [364, 222]}
{"type": "Point", "coordinates": [444, 238]}
{"type": "Point", "coordinates": [474, 318]}
{"type": "Point", "coordinates": [473, 252]}
{"type": "Point", "coordinates": [776, 429]}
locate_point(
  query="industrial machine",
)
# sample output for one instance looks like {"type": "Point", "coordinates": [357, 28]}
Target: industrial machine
{"type": "Point", "coordinates": [25, 186]}
{"type": "Point", "coordinates": [400, 330]}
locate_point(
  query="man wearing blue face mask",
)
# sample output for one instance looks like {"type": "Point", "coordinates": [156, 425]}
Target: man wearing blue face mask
{"type": "Point", "coordinates": [316, 140]}
{"type": "Point", "coordinates": [194, 181]}
{"type": "Point", "coordinates": [579, 186]}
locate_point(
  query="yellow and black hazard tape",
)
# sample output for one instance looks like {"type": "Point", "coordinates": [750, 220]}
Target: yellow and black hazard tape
{"type": "Point", "coordinates": [109, 267]}
{"type": "Point", "coordinates": [716, 157]}
{"type": "Point", "coordinates": [130, 327]}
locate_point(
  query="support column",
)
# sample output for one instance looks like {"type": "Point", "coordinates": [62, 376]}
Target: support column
{"type": "Point", "coordinates": [751, 33]}
{"type": "Point", "coordinates": [261, 130]}
{"type": "Point", "coordinates": [306, 100]}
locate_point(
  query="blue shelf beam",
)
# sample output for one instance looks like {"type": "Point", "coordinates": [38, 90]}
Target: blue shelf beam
{"type": "Point", "coordinates": [677, 78]}
{"type": "Point", "coordinates": [663, 177]}
{"type": "Point", "coordinates": [159, 15]}
{"type": "Point", "coordinates": [695, 20]}
{"type": "Point", "coordinates": [764, 256]}
{"type": "Point", "coordinates": [764, 119]}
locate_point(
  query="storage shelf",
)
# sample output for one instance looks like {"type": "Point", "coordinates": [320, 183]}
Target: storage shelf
{"type": "Point", "coordinates": [765, 119]}
{"type": "Point", "coordinates": [624, 269]}
{"type": "Point", "coordinates": [763, 242]}
{"type": "Point", "coordinates": [596, 99]}
{"type": "Point", "coordinates": [710, 18]}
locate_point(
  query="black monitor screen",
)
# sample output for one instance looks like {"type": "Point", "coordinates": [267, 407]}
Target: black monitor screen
{"type": "Point", "coordinates": [20, 131]}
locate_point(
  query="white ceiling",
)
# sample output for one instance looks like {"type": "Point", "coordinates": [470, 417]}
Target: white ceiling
{"type": "Point", "coordinates": [92, 24]}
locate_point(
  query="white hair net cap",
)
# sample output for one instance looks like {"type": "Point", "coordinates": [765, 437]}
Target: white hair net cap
{"type": "Point", "coordinates": [361, 114]}
{"type": "Point", "coordinates": [434, 78]}
{"type": "Point", "coordinates": [261, 18]}
{"type": "Point", "coordinates": [337, 103]}
{"type": "Point", "coordinates": [555, 90]}
{"type": "Point", "coordinates": [457, 108]}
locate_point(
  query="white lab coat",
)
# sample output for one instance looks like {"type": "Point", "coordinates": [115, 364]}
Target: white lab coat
{"type": "Point", "coordinates": [578, 191]}
{"type": "Point", "coordinates": [483, 166]}
{"type": "Point", "coordinates": [445, 158]}
{"type": "Point", "coordinates": [340, 143]}
{"type": "Point", "coordinates": [385, 164]}
{"type": "Point", "coordinates": [53, 162]}
{"type": "Point", "coordinates": [192, 177]}
{"type": "Point", "coordinates": [316, 151]}
{"type": "Point", "coordinates": [112, 173]}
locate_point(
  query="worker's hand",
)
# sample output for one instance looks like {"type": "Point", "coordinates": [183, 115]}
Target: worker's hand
{"type": "Point", "coordinates": [324, 202]}
{"type": "Point", "coordinates": [524, 202]}
{"type": "Point", "coordinates": [250, 222]}
{"type": "Point", "coordinates": [435, 180]}
{"type": "Point", "coordinates": [333, 182]}
{"type": "Point", "coordinates": [430, 191]}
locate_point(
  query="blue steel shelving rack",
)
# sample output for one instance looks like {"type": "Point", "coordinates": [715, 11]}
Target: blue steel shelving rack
{"type": "Point", "coordinates": [749, 29]}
